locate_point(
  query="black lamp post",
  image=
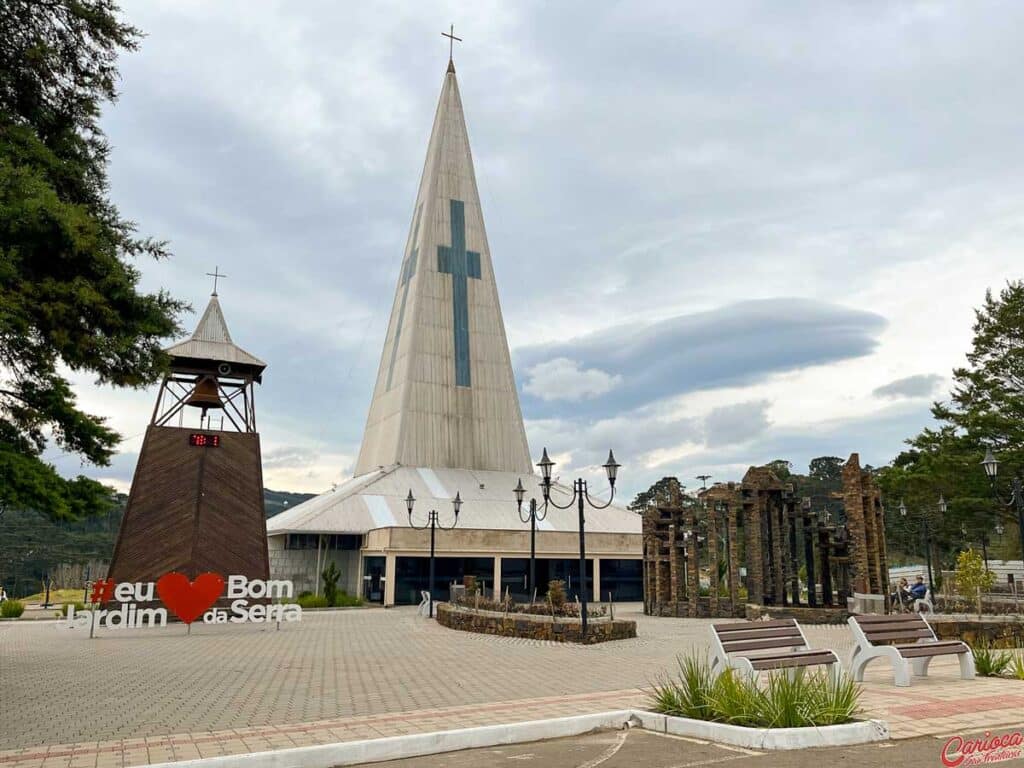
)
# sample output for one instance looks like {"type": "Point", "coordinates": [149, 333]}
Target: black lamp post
{"type": "Point", "coordinates": [1016, 500]}
{"type": "Point", "coordinates": [579, 495]}
{"type": "Point", "coordinates": [926, 533]}
{"type": "Point", "coordinates": [432, 523]}
{"type": "Point", "coordinates": [533, 514]}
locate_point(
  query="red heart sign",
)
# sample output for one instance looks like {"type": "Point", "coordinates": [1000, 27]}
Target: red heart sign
{"type": "Point", "coordinates": [189, 600]}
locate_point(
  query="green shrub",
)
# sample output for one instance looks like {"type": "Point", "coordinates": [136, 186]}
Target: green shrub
{"type": "Point", "coordinates": [796, 700]}
{"type": "Point", "coordinates": [1017, 665]}
{"type": "Point", "coordinates": [11, 609]}
{"type": "Point", "coordinates": [304, 593]}
{"type": "Point", "coordinates": [331, 576]}
{"type": "Point", "coordinates": [344, 600]}
{"type": "Point", "coordinates": [313, 601]}
{"type": "Point", "coordinates": [79, 607]}
{"type": "Point", "coordinates": [989, 662]}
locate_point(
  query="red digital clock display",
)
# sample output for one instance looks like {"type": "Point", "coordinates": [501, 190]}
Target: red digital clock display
{"type": "Point", "coordinates": [204, 441]}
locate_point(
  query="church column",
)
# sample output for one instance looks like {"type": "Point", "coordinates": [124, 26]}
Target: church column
{"type": "Point", "coordinates": [389, 580]}
{"type": "Point", "coordinates": [597, 581]}
{"type": "Point", "coordinates": [498, 591]}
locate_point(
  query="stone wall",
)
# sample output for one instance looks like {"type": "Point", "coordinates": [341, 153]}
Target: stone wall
{"type": "Point", "coordinates": [998, 632]}
{"type": "Point", "coordinates": [299, 566]}
{"type": "Point", "coordinates": [532, 627]}
{"type": "Point", "coordinates": [801, 614]}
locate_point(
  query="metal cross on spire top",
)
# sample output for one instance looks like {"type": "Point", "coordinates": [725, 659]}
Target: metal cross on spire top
{"type": "Point", "coordinates": [215, 275]}
{"type": "Point", "coordinates": [451, 41]}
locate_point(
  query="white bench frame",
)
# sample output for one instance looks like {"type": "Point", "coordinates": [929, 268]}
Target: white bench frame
{"type": "Point", "coordinates": [741, 662]}
{"type": "Point", "coordinates": [864, 652]}
{"type": "Point", "coordinates": [424, 606]}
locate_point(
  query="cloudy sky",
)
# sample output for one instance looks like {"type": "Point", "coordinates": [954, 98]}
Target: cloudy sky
{"type": "Point", "coordinates": [723, 233]}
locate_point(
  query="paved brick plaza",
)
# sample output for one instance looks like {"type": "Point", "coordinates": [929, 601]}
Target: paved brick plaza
{"type": "Point", "coordinates": [68, 701]}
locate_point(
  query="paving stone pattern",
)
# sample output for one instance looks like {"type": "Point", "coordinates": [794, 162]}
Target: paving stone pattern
{"type": "Point", "coordinates": [147, 696]}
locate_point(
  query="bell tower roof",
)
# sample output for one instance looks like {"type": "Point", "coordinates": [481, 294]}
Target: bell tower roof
{"type": "Point", "coordinates": [211, 343]}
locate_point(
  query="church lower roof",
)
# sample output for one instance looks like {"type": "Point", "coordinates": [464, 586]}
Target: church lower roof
{"type": "Point", "coordinates": [377, 500]}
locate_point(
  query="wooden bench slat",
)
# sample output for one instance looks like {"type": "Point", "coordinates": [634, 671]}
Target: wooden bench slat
{"type": "Point", "coordinates": [743, 626]}
{"type": "Point", "coordinates": [753, 645]}
{"type": "Point", "coordinates": [758, 634]}
{"type": "Point", "coordinates": [907, 618]}
{"type": "Point", "coordinates": [781, 662]}
{"type": "Point", "coordinates": [917, 650]}
{"type": "Point", "coordinates": [879, 637]}
{"type": "Point", "coordinates": [893, 626]}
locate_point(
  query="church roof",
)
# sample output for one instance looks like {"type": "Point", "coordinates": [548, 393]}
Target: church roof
{"type": "Point", "coordinates": [445, 395]}
{"type": "Point", "coordinates": [211, 341]}
{"type": "Point", "coordinates": [377, 500]}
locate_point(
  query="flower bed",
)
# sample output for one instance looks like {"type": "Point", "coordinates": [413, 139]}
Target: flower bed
{"type": "Point", "coordinates": [533, 626]}
{"type": "Point", "coordinates": [799, 700]}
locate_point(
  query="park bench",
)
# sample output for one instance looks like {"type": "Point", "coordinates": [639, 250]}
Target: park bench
{"type": "Point", "coordinates": [913, 643]}
{"type": "Point", "coordinates": [925, 604]}
{"type": "Point", "coordinates": [753, 646]}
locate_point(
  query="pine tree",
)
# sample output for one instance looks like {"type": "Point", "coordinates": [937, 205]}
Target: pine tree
{"type": "Point", "coordinates": [986, 408]}
{"type": "Point", "coordinates": [69, 297]}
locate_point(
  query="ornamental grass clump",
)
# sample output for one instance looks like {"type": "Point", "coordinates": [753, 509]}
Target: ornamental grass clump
{"type": "Point", "coordinates": [990, 662]}
{"type": "Point", "coordinates": [11, 609]}
{"type": "Point", "coordinates": [787, 700]}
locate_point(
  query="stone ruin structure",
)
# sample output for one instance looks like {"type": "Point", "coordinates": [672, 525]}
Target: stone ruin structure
{"type": "Point", "coordinates": [757, 535]}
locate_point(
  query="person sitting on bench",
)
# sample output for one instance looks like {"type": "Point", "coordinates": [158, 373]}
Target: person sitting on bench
{"type": "Point", "coordinates": [902, 597]}
{"type": "Point", "coordinates": [920, 590]}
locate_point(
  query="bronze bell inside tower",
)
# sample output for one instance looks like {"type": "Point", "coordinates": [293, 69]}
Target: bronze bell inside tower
{"type": "Point", "coordinates": [206, 394]}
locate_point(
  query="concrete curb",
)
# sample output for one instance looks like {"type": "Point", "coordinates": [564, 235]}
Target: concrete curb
{"type": "Point", "coordinates": [861, 732]}
{"type": "Point", "coordinates": [420, 744]}
{"type": "Point", "coordinates": [414, 745]}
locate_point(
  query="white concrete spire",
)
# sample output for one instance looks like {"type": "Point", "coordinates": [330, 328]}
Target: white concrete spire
{"type": "Point", "coordinates": [445, 394]}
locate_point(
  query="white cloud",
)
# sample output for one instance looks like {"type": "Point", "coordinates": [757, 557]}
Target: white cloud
{"type": "Point", "coordinates": [564, 379]}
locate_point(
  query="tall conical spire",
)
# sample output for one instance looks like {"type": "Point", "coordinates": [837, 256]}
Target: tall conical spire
{"type": "Point", "coordinates": [445, 394]}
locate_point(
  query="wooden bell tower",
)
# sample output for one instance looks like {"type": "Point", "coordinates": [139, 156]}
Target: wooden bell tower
{"type": "Point", "coordinates": [196, 502]}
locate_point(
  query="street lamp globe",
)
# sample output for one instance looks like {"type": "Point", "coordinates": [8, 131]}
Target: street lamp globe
{"type": "Point", "coordinates": [999, 529]}
{"type": "Point", "coordinates": [611, 468]}
{"type": "Point", "coordinates": [457, 504]}
{"type": "Point", "coordinates": [409, 501]}
{"type": "Point", "coordinates": [942, 505]}
{"type": "Point", "coordinates": [990, 463]}
{"type": "Point", "coordinates": [520, 492]}
{"type": "Point", "coordinates": [903, 509]}
{"type": "Point", "coordinates": [545, 465]}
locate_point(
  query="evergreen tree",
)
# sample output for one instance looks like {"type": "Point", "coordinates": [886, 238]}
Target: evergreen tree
{"type": "Point", "coordinates": [986, 407]}
{"type": "Point", "coordinates": [69, 297]}
{"type": "Point", "coordinates": [665, 491]}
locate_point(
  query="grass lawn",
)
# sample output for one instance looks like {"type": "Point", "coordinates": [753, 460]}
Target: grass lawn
{"type": "Point", "coordinates": [57, 596]}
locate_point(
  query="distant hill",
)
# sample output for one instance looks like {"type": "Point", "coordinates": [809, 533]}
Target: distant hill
{"type": "Point", "coordinates": [31, 545]}
{"type": "Point", "coordinates": [278, 501]}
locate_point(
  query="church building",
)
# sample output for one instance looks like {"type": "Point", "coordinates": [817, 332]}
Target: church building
{"type": "Point", "coordinates": [445, 421]}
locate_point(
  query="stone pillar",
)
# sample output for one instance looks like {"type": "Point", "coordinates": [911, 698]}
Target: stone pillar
{"type": "Point", "coordinates": [713, 552]}
{"type": "Point", "coordinates": [793, 561]}
{"type": "Point", "coordinates": [826, 565]}
{"type": "Point", "coordinates": [675, 575]}
{"type": "Point", "coordinates": [498, 591]}
{"type": "Point", "coordinates": [693, 567]}
{"type": "Point", "coordinates": [853, 503]}
{"type": "Point", "coordinates": [732, 547]}
{"type": "Point", "coordinates": [597, 580]}
{"type": "Point", "coordinates": [776, 510]}
{"type": "Point", "coordinates": [755, 554]}
{"type": "Point", "coordinates": [389, 583]}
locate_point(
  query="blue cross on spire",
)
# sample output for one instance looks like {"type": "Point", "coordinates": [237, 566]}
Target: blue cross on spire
{"type": "Point", "coordinates": [461, 264]}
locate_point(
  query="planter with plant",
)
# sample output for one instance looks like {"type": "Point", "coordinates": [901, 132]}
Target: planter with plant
{"type": "Point", "coordinates": [11, 609]}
